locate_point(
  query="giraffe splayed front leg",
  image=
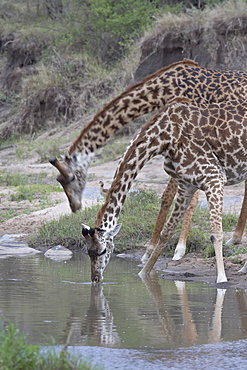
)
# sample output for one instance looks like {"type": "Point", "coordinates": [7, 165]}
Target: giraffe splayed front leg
{"type": "Point", "coordinates": [182, 202]}
{"type": "Point", "coordinates": [183, 199]}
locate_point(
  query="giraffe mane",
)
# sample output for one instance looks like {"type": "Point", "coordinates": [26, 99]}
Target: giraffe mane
{"type": "Point", "coordinates": [127, 157]}
{"type": "Point", "coordinates": [149, 77]}
{"type": "Point", "coordinates": [177, 99]}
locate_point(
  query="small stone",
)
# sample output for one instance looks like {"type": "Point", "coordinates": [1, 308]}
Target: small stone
{"type": "Point", "coordinates": [58, 252]}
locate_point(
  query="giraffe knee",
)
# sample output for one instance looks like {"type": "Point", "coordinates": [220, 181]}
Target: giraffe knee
{"type": "Point", "coordinates": [216, 238]}
{"type": "Point", "coordinates": [212, 239]}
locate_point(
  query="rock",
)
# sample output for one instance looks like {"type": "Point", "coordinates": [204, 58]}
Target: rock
{"type": "Point", "coordinates": [58, 253]}
{"type": "Point", "coordinates": [11, 247]}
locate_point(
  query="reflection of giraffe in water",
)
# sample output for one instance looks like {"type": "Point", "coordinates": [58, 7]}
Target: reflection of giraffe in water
{"type": "Point", "coordinates": [190, 335]}
{"type": "Point", "coordinates": [242, 306]}
{"type": "Point", "coordinates": [216, 326]}
{"type": "Point", "coordinates": [184, 327]}
{"type": "Point", "coordinates": [182, 79]}
{"type": "Point", "coordinates": [99, 326]}
{"type": "Point", "coordinates": [189, 327]}
{"type": "Point", "coordinates": [204, 148]}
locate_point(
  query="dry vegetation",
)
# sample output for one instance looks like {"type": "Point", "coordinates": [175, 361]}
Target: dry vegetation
{"type": "Point", "coordinates": [49, 81]}
{"type": "Point", "coordinates": [231, 13]}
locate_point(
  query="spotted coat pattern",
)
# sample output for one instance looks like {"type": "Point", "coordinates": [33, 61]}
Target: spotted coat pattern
{"type": "Point", "coordinates": [185, 79]}
{"type": "Point", "coordinates": [203, 147]}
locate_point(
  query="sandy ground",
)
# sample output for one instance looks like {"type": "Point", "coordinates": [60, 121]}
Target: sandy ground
{"type": "Point", "coordinates": [191, 267]}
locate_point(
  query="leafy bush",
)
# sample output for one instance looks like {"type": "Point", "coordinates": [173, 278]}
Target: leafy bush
{"type": "Point", "coordinates": [104, 28]}
{"type": "Point", "coordinates": [17, 354]}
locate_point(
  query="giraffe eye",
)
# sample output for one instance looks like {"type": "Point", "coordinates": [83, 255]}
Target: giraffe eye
{"type": "Point", "coordinates": [73, 178]}
{"type": "Point", "coordinates": [96, 254]}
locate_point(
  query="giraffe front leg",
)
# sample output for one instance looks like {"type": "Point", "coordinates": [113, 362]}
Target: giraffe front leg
{"type": "Point", "coordinates": [214, 194]}
{"type": "Point", "coordinates": [181, 246]}
{"type": "Point", "coordinates": [238, 233]}
{"type": "Point", "coordinates": [166, 202]}
{"type": "Point", "coordinates": [183, 200]}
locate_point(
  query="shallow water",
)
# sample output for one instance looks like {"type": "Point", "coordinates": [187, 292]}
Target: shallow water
{"type": "Point", "coordinates": [126, 323]}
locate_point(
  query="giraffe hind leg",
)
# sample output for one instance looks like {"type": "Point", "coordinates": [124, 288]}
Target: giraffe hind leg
{"type": "Point", "coordinates": [215, 214]}
{"type": "Point", "coordinates": [181, 246]}
{"type": "Point", "coordinates": [239, 230]}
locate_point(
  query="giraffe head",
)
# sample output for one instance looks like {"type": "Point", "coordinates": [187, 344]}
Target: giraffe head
{"type": "Point", "coordinates": [100, 245]}
{"type": "Point", "coordinates": [72, 177]}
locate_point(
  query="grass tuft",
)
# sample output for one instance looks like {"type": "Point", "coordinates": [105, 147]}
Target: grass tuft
{"type": "Point", "coordinates": [26, 192]}
{"type": "Point", "coordinates": [137, 227]}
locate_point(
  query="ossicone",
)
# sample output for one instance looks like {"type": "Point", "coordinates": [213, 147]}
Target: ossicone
{"type": "Point", "coordinates": [63, 168]}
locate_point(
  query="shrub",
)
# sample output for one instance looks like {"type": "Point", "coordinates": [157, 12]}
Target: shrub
{"type": "Point", "coordinates": [17, 354]}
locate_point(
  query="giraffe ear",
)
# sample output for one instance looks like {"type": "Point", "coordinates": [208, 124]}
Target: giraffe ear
{"type": "Point", "coordinates": [87, 230]}
{"type": "Point", "coordinates": [114, 231]}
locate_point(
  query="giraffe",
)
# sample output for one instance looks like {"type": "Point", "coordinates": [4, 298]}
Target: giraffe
{"type": "Point", "coordinates": [203, 147]}
{"type": "Point", "coordinates": [189, 332]}
{"type": "Point", "coordinates": [184, 78]}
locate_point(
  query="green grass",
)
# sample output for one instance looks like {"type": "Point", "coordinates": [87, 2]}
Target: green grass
{"type": "Point", "coordinates": [17, 354]}
{"type": "Point", "coordinates": [136, 230]}
{"type": "Point", "coordinates": [111, 151]}
{"type": "Point", "coordinates": [33, 189]}
{"type": "Point", "coordinates": [17, 179]}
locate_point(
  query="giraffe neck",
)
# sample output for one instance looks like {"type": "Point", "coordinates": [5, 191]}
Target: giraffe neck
{"type": "Point", "coordinates": [148, 143]}
{"type": "Point", "coordinates": [184, 78]}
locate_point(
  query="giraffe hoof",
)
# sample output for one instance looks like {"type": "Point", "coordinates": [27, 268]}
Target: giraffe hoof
{"type": "Point", "coordinates": [233, 241]}
{"type": "Point", "coordinates": [177, 257]}
{"type": "Point", "coordinates": [243, 270]}
{"type": "Point", "coordinates": [144, 258]}
{"type": "Point", "coordinates": [221, 280]}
